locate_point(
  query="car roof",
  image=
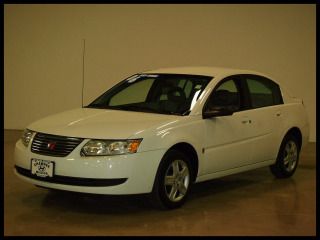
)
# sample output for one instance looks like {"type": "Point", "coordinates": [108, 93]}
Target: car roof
{"type": "Point", "coordinates": [206, 71]}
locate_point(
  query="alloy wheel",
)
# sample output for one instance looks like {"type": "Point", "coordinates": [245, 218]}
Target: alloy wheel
{"type": "Point", "coordinates": [290, 156]}
{"type": "Point", "coordinates": [177, 180]}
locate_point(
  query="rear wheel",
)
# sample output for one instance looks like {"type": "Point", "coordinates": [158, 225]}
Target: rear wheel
{"type": "Point", "coordinates": [288, 157]}
{"type": "Point", "coordinates": [173, 181]}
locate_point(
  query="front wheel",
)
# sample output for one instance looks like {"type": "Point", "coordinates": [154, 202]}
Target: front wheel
{"type": "Point", "coordinates": [288, 157]}
{"type": "Point", "coordinates": [173, 181]}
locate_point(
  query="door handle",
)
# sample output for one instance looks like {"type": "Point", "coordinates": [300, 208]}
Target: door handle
{"type": "Point", "coordinates": [278, 114]}
{"type": "Point", "coordinates": [246, 121]}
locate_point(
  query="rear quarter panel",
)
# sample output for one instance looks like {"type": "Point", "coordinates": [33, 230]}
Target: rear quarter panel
{"type": "Point", "coordinates": [294, 114]}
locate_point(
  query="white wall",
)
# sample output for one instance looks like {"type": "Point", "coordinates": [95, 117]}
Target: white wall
{"type": "Point", "coordinates": [43, 49]}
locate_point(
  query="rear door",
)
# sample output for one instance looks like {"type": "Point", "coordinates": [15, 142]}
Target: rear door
{"type": "Point", "coordinates": [265, 116]}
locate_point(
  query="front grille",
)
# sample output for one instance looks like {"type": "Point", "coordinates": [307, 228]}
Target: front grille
{"type": "Point", "coordinates": [53, 145]}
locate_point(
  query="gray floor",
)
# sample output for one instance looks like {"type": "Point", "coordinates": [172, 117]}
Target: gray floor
{"type": "Point", "coordinates": [251, 203]}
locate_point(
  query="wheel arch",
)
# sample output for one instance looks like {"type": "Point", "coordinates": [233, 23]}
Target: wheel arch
{"type": "Point", "coordinates": [296, 132]}
{"type": "Point", "coordinates": [279, 168]}
{"type": "Point", "coordinates": [190, 152]}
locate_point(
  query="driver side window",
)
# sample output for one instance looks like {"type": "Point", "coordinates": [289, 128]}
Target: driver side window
{"type": "Point", "coordinates": [225, 96]}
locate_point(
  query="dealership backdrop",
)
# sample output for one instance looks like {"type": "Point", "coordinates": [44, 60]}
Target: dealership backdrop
{"type": "Point", "coordinates": [43, 49]}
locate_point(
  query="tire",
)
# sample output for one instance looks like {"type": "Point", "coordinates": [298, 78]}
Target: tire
{"type": "Point", "coordinates": [173, 181]}
{"type": "Point", "coordinates": [287, 159]}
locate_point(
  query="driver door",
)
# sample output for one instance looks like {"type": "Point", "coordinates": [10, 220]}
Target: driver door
{"type": "Point", "coordinates": [226, 137]}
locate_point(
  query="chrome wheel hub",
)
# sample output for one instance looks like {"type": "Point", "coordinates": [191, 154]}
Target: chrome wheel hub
{"type": "Point", "coordinates": [290, 156]}
{"type": "Point", "coordinates": [177, 179]}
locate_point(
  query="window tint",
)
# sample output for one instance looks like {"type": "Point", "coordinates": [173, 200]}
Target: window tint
{"type": "Point", "coordinates": [136, 93]}
{"type": "Point", "coordinates": [156, 93]}
{"type": "Point", "coordinates": [188, 88]}
{"type": "Point", "coordinates": [228, 86]}
{"type": "Point", "coordinates": [263, 92]}
{"type": "Point", "coordinates": [184, 84]}
{"type": "Point", "coordinates": [226, 95]}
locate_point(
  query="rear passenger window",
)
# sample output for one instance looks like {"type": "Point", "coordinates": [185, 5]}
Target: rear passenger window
{"type": "Point", "coordinates": [263, 92]}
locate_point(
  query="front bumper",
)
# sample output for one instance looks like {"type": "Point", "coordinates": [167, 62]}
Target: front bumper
{"type": "Point", "coordinates": [115, 175]}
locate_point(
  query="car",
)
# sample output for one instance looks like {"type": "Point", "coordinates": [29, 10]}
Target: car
{"type": "Point", "coordinates": [158, 132]}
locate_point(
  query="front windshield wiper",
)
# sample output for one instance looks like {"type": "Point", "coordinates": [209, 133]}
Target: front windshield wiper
{"type": "Point", "coordinates": [136, 108]}
{"type": "Point", "coordinates": [145, 109]}
{"type": "Point", "coordinates": [186, 113]}
{"type": "Point", "coordinates": [133, 108]}
{"type": "Point", "coordinates": [95, 105]}
{"type": "Point", "coordinates": [100, 106]}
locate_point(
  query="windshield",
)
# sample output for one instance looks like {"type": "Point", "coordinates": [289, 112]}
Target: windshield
{"type": "Point", "coordinates": [157, 93]}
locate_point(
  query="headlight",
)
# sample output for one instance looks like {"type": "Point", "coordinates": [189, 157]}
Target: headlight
{"type": "Point", "coordinates": [26, 137]}
{"type": "Point", "coordinates": [110, 147]}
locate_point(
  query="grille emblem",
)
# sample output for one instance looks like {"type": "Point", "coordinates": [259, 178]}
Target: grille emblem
{"type": "Point", "coordinates": [51, 145]}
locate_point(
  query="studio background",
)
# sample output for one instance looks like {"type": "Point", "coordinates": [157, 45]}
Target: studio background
{"type": "Point", "coordinates": [43, 49]}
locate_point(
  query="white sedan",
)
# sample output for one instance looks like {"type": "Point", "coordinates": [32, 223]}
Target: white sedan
{"type": "Point", "coordinates": [160, 131]}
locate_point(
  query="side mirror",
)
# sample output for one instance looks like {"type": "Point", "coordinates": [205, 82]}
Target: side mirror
{"type": "Point", "coordinates": [217, 112]}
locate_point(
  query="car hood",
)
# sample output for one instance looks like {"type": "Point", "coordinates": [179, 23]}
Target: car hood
{"type": "Point", "coordinates": [100, 123]}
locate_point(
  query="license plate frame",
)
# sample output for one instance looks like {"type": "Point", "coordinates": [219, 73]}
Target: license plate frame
{"type": "Point", "coordinates": [42, 168]}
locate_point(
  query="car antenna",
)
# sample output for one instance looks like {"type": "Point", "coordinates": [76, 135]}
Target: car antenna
{"type": "Point", "coordinates": [83, 57]}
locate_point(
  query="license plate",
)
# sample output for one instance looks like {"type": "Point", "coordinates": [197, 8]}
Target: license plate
{"type": "Point", "coordinates": [42, 168]}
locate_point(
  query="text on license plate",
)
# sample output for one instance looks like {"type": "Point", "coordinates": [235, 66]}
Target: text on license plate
{"type": "Point", "coordinates": [42, 168]}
